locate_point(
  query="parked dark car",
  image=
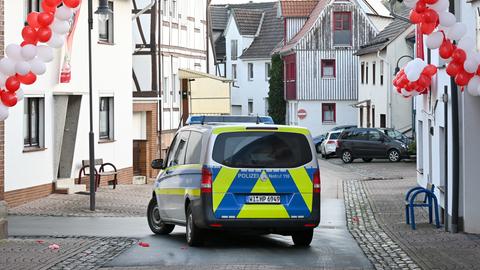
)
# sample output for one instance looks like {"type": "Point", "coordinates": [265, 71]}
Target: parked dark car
{"type": "Point", "coordinates": [367, 144]}
{"type": "Point", "coordinates": [396, 135]}
{"type": "Point", "coordinates": [317, 141]}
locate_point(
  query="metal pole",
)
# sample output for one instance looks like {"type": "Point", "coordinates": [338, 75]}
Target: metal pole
{"type": "Point", "coordinates": [91, 148]}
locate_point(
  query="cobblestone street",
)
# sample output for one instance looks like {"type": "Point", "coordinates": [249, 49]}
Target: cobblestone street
{"type": "Point", "coordinates": [124, 201]}
{"type": "Point", "coordinates": [72, 252]}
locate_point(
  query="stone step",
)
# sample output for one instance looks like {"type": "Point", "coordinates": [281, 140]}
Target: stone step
{"type": "Point", "coordinates": [68, 186]}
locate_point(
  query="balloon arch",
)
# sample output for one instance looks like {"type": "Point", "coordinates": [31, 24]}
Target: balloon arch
{"type": "Point", "coordinates": [22, 64]}
{"type": "Point", "coordinates": [441, 28]}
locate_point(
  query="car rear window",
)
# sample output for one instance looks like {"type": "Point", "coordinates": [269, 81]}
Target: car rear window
{"type": "Point", "coordinates": [334, 136]}
{"type": "Point", "coordinates": [262, 150]}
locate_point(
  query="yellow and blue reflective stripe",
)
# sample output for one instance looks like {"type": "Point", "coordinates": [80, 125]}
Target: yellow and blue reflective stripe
{"type": "Point", "coordinates": [299, 130]}
{"type": "Point", "coordinates": [178, 191]}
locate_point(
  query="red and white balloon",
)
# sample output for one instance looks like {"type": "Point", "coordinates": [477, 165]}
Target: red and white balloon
{"type": "Point", "coordinates": [23, 63]}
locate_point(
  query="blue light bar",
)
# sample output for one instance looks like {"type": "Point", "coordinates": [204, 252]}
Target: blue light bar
{"type": "Point", "coordinates": [206, 119]}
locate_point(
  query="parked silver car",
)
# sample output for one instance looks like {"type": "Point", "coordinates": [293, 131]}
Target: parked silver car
{"type": "Point", "coordinates": [329, 145]}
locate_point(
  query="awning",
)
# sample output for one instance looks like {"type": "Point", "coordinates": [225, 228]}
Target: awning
{"type": "Point", "coordinates": [360, 103]}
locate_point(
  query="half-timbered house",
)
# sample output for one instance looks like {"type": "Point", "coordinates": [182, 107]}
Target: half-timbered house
{"type": "Point", "coordinates": [319, 62]}
{"type": "Point", "coordinates": [169, 35]}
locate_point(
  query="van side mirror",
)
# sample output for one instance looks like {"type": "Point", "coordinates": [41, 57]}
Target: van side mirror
{"type": "Point", "coordinates": [158, 164]}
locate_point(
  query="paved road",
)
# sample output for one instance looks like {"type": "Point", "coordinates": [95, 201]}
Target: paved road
{"type": "Point", "coordinates": [332, 247]}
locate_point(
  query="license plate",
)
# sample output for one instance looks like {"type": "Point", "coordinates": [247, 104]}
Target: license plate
{"type": "Point", "coordinates": [267, 199]}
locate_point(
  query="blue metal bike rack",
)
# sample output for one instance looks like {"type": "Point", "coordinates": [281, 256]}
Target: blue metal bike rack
{"type": "Point", "coordinates": [430, 201]}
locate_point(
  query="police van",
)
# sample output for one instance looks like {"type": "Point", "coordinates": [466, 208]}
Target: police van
{"type": "Point", "coordinates": [238, 176]}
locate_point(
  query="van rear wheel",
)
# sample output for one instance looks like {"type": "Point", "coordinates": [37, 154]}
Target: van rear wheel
{"type": "Point", "coordinates": [303, 238]}
{"type": "Point", "coordinates": [194, 234]}
{"type": "Point", "coordinates": [155, 221]}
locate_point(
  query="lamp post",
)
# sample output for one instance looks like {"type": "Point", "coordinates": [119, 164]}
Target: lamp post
{"type": "Point", "coordinates": [397, 68]}
{"type": "Point", "coordinates": [103, 12]}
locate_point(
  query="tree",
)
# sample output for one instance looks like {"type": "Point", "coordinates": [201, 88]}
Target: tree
{"type": "Point", "coordinates": [276, 101]}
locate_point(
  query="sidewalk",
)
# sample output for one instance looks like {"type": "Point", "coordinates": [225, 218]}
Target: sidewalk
{"type": "Point", "coordinates": [428, 247]}
{"type": "Point", "coordinates": [124, 201]}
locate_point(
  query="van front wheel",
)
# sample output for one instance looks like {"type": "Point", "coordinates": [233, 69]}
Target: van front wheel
{"type": "Point", "coordinates": [303, 238]}
{"type": "Point", "coordinates": [155, 222]}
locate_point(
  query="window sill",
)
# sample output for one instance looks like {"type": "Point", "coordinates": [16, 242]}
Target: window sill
{"type": "Point", "coordinates": [33, 149]}
{"type": "Point", "coordinates": [102, 42]}
{"type": "Point", "coordinates": [329, 123]}
{"type": "Point", "coordinates": [105, 141]}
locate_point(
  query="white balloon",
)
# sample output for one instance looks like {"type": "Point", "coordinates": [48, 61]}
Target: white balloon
{"type": "Point", "coordinates": [440, 6]}
{"type": "Point", "coordinates": [7, 66]}
{"type": "Point", "coordinates": [64, 13]}
{"type": "Point", "coordinates": [434, 41]}
{"type": "Point", "coordinates": [38, 66]}
{"type": "Point", "coordinates": [60, 27]}
{"type": "Point", "coordinates": [45, 53]}
{"type": "Point", "coordinates": [14, 52]}
{"type": "Point", "coordinates": [29, 52]}
{"type": "Point", "coordinates": [19, 94]}
{"type": "Point", "coordinates": [457, 31]}
{"type": "Point", "coordinates": [473, 86]}
{"type": "Point", "coordinates": [22, 67]}
{"type": "Point", "coordinates": [447, 19]}
{"type": "Point", "coordinates": [466, 43]}
{"type": "Point", "coordinates": [410, 3]}
{"type": "Point", "coordinates": [56, 41]}
{"type": "Point", "coordinates": [3, 112]}
{"type": "Point", "coordinates": [470, 65]}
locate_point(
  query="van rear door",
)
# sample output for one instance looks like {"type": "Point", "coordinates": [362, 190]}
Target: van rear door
{"type": "Point", "coordinates": [263, 174]}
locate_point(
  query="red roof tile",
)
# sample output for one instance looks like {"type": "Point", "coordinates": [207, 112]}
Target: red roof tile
{"type": "Point", "coordinates": [297, 8]}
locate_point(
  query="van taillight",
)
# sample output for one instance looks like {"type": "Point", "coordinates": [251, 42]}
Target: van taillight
{"type": "Point", "coordinates": [206, 184]}
{"type": "Point", "coordinates": [316, 181]}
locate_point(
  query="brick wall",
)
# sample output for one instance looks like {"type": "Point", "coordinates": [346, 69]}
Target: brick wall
{"type": "Point", "coordinates": [151, 149]}
{"type": "Point", "coordinates": [21, 196]}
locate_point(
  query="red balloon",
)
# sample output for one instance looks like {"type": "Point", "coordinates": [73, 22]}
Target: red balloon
{"type": "Point", "coordinates": [45, 19]}
{"type": "Point", "coordinates": [424, 81]}
{"type": "Point", "coordinates": [416, 17]}
{"type": "Point", "coordinates": [446, 49]}
{"type": "Point", "coordinates": [8, 98]}
{"type": "Point", "coordinates": [53, 3]}
{"type": "Point", "coordinates": [47, 8]}
{"type": "Point", "coordinates": [430, 2]}
{"type": "Point", "coordinates": [430, 16]}
{"type": "Point", "coordinates": [12, 84]}
{"type": "Point", "coordinates": [29, 34]}
{"type": "Point", "coordinates": [463, 78]}
{"type": "Point", "coordinates": [71, 3]}
{"type": "Point", "coordinates": [44, 34]}
{"type": "Point", "coordinates": [421, 7]}
{"type": "Point", "coordinates": [459, 56]}
{"type": "Point", "coordinates": [430, 70]}
{"type": "Point", "coordinates": [454, 68]}
{"type": "Point", "coordinates": [403, 81]}
{"type": "Point", "coordinates": [427, 28]}
{"type": "Point", "coordinates": [27, 79]}
{"type": "Point", "coordinates": [32, 19]}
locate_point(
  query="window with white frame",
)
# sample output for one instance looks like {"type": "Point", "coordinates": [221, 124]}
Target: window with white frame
{"type": "Point", "coordinates": [166, 95]}
{"type": "Point", "coordinates": [381, 71]}
{"type": "Point", "coordinates": [234, 49]}
{"type": "Point", "coordinates": [173, 12]}
{"type": "Point", "coordinates": [268, 70]}
{"type": "Point", "coordinates": [250, 106]}
{"type": "Point", "coordinates": [165, 7]}
{"type": "Point", "coordinates": [106, 119]}
{"type": "Point", "coordinates": [33, 122]}
{"type": "Point", "coordinates": [174, 88]}
{"type": "Point", "coordinates": [250, 71]}
{"type": "Point", "coordinates": [234, 72]}
{"type": "Point", "coordinates": [106, 28]}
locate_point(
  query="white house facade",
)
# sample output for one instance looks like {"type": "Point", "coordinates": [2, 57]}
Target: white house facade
{"type": "Point", "coordinates": [447, 137]}
{"type": "Point", "coordinates": [46, 134]}
{"type": "Point", "coordinates": [379, 104]}
{"type": "Point", "coordinates": [321, 70]}
{"type": "Point", "coordinates": [250, 37]}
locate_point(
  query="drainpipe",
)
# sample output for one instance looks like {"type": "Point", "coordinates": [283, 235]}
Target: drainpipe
{"type": "Point", "coordinates": [455, 144]}
{"type": "Point", "coordinates": [445, 197]}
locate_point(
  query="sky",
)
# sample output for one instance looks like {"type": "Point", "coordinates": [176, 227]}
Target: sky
{"type": "Point", "coordinates": [215, 2]}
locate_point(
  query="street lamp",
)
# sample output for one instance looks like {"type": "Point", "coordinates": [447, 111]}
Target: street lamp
{"type": "Point", "coordinates": [397, 68]}
{"type": "Point", "coordinates": [103, 12]}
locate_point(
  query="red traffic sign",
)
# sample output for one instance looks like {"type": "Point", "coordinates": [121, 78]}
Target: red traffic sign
{"type": "Point", "coordinates": [302, 114]}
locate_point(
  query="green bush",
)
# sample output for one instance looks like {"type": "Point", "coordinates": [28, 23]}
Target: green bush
{"type": "Point", "coordinates": [276, 101]}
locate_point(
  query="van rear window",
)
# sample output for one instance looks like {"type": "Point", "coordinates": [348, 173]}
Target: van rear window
{"type": "Point", "coordinates": [262, 150]}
